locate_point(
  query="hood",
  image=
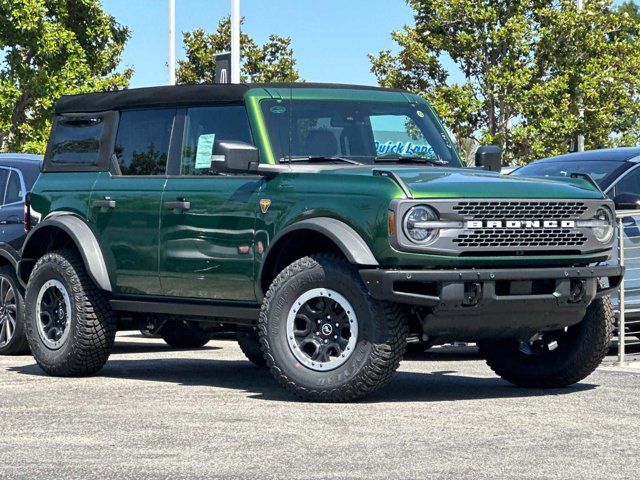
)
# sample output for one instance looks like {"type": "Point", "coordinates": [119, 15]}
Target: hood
{"type": "Point", "coordinates": [438, 182]}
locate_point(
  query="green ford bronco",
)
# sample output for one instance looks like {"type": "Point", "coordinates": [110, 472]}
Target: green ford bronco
{"type": "Point", "coordinates": [326, 223]}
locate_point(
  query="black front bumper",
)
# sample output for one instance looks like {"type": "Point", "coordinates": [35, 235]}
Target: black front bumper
{"type": "Point", "coordinates": [476, 304]}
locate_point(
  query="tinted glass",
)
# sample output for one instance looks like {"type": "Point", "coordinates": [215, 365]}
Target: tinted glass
{"type": "Point", "coordinates": [602, 172]}
{"type": "Point", "coordinates": [629, 184]}
{"type": "Point", "coordinates": [359, 130]}
{"type": "Point", "coordinates": [142, 142]}
{"type": "Point", "coordinates": [204, 126]}
{"type": "Point", "coordinates": [76, 140]}
{"type": "Point", "coordinates": [14, 189]}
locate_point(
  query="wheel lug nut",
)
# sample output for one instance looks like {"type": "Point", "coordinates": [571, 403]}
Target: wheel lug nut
{"type": "Point", "coordinates": [319, 321]}
{"type": "Point", "coordinates": [326, 341]}
{"type": "Point", "coordinates": [337, 324]}
{"type": "Point", "coordinates": [317, 333]}
{"type": "Point", "coordinates": [335, 336]}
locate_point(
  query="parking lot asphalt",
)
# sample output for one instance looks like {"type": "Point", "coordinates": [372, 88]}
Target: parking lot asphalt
{"type": "Point", "coordinates": [154, 412]}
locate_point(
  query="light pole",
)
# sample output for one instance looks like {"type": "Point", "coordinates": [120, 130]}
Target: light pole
{"type": "Point", "coordinates": [235, 41]}
{"type": "Point", "coordinates": [172, 42]}
{"type": "Point", "coordinates": [580, 140]}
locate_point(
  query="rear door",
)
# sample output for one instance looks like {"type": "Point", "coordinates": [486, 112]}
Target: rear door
{"type": "Point", "coordinates": [126, 201]}
{"type": "Point", "coordinates": [207, 225]}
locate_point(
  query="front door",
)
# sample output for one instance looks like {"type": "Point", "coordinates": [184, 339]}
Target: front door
{"type": "Point", "coordinates": [11, 207]}
{"type": "Point", "coordinates": [207, 223]}
{"type": "Point", "coordinates": [125, 203]}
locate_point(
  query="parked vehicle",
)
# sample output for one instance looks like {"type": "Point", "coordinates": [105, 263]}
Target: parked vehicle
{"type": "Point", "coordinates": [326, 222]}
{"type": "Point", "coordinates": [18, 172]}
{"type": "Point", "coordinates": [617, 173]}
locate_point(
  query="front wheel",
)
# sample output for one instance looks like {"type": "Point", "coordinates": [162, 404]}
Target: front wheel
{"type": "Point", "coordinates": [324, 337]}
{"type": "Point", "coordinates": [555, 359]}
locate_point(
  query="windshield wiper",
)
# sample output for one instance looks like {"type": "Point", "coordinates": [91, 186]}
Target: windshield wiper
{"type": "Point", "coordinates": [317, 159]}
{"type": "Point", "coordinates": [391, 158]}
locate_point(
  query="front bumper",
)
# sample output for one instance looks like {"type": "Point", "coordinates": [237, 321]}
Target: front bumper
{"type": "Point", "coordinates": [476, 304]}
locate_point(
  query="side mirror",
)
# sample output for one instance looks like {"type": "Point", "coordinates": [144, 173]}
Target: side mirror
{"type": "Point", "coordinates": [234, 157]}
{"type": "Point", "coordinates": [627, 201]}
{"type": "Point", "coordinates": [489, 157]}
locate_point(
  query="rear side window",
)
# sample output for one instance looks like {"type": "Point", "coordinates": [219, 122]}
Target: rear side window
{"type": "Point", "coordinates": [206, 125]}
{"type": "Point", "coordinates": [14, 189]}
{"type": "Point", "coordinates": [142, 142]}
{"type": "Point", "coordinates": [76, 140]}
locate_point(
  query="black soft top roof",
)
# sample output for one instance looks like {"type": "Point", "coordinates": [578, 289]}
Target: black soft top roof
{"type": "Point", "coordinates": [175, 96]}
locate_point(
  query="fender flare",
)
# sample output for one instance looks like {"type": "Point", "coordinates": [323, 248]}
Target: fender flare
{"type": "Point", "coordinates": [10, 254]}
{"type": "Point", "coordinates": [85, 241]}
{"type": "Point", "coordinates": [350, 243]}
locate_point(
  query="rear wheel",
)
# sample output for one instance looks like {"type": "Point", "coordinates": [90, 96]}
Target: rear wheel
{"type": "Point", "coordinates": [555, 359]}
{"type": "Point", "coordinates": [183, 334]}
{"type": "Point", "coordinates": [69, 323]}
{"type": "Point", "coordinates": [324, 337]}
{"type": "Point", "coordinates": [13, 340]}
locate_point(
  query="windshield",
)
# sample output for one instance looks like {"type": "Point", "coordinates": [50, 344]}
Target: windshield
{"type": "Point", "coordinates": [360, 131]}
{"type": "Point", "coordinates": [602, 172]}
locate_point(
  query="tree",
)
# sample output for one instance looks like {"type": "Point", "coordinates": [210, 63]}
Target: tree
{"type": "Point", "coordinates": [50, 48]}
{"type": "Point", "coordinates": [271, 62]}
{"type": "Point", "coordinates": [528, 67]}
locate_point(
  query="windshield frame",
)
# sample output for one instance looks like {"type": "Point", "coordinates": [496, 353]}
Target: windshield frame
{"type": "Point", "coordinates": [255, 101]}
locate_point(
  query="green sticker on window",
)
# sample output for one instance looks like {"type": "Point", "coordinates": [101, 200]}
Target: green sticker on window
{"type": "Point", "coordinates": [278, 109]}
{"type": "Point", "coordinates": [420, 113]}
{"type": "Point", "coordinates": [205, 150]}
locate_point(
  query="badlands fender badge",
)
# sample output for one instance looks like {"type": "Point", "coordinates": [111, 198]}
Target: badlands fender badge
{"type": "Point", "coordinates": [521, 224]}
{"type": "Point", "coordinates": [265, 203]}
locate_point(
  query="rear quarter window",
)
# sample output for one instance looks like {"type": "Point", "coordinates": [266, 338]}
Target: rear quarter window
{"type": "Point", "coordinates": [76, 141]}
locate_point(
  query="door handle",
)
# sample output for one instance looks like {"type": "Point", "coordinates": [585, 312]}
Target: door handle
{"type": "Point", "coordinates": [107, 202]}
{"type": "Point", "coordinates": [178, 205]}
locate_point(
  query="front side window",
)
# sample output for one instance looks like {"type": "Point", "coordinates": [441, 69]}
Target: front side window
{"type": "Point", "coordinates": [629, 183]}
{"type": "Point", "coordinates": [206, 125]}
{"type": "Point", "coordinates": [4, 176]}
{"type": "Point", "coordinates": [362, 131]}
{"type": "Point", "coordinates": [76, 140]}
{"type": "Point", "coordinates": [142, 142]}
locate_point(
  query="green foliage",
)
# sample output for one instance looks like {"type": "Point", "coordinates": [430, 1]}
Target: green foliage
{"type": "Point", "coordinates": [50, 48]}
{"type": "Point", "coordinates": [271, 62]}
{"type": "Point", "coordinates": [528, 67]}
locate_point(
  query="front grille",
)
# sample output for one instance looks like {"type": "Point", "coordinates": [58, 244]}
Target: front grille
{"type": "Point", "coordinates": [516, 210]}
{"type": "Point", "coordinates": [520, 238]}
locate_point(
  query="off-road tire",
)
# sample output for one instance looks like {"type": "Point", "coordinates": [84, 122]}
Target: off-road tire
{"type": "Point", "coordinates": [381, 339]}
{"type": "Point", "coordinates": [17, 344]}
{"type": "Point", "coordinates": [182, 334]}
{"type": "Point", "coordinates": [249, 343]}
{"type": "Point", "coordinates": [92, 322]}
{"type": "Point", "coordinates": [570, 363]}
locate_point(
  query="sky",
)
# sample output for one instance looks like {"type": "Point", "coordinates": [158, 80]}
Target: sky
{"type": "Point", "coordinates": [330, 38]}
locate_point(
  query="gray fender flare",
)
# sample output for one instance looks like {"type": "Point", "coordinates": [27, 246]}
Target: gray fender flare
{"type": "Point", "coordinates": [346, 238]}
{"type": "Point", "coordinates": [350, 243]}
{"type": "Point", "coordinates": [9, 254]}
{"type": "Point", "coordinates": [85, 240]}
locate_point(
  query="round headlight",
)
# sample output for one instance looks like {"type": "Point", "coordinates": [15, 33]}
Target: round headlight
{"type": "Point", "coordinates": [603, 233]}
{"type": "Point", "coordinates": [413, 221]}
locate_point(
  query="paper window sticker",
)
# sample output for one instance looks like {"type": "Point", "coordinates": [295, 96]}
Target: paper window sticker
{"type": "Point", "coordinates": [204, 150]}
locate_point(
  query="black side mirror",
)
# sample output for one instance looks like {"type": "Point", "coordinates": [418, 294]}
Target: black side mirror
{"type": "Point", "coordinates": [234, 157]}
{"type": "Point", "coordinates": [627, 201]}
{"type": "Point", "coordinates": [489, 157]}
